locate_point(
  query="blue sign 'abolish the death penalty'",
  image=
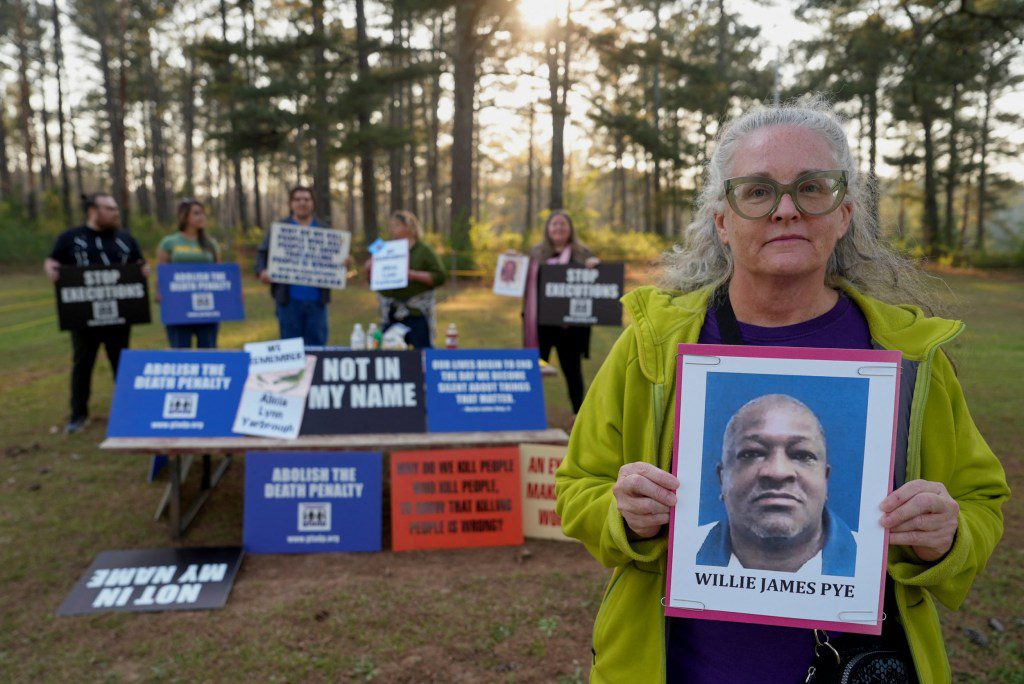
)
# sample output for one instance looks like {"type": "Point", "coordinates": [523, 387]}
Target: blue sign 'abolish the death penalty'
{"type": "Point", "coordinates": [177, 393]}
{"type": "Point", "coordinates": [484, 389]}
{"type": "Point", "coordinates": [311, 502]}
{"type": "Point", "coordinates": [200, 293]}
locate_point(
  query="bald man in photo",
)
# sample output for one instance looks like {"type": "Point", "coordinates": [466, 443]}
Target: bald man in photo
{"type": "Point", "coordinates": [774, 476]}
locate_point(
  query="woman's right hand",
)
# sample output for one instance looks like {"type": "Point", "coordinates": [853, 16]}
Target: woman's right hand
{"type": "Point", "coordinates": [644, 493]}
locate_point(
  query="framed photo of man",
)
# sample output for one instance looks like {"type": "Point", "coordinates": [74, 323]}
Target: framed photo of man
{"type": "Point", "coordinates": [784, 456]}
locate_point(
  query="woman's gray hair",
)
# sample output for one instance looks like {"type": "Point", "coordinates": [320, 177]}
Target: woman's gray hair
{"type": "Point", "coordinates": [859, 257]}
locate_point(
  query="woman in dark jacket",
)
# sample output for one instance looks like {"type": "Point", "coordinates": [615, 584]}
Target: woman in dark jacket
{"type": "Point", "coordinates": [559, 247]}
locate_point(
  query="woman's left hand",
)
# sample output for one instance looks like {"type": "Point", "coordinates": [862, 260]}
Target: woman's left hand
{"type": "Point", "coordinates": [922, 515]}
{"type": "Point", "coordinates": [591, 262]}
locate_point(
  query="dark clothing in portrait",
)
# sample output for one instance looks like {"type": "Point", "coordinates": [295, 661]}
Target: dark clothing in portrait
{"type": "Point", "coordinates": [838, 555]}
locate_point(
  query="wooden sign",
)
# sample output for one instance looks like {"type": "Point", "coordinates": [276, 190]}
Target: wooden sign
{"type": "Point", "coordinates": [538, 463]}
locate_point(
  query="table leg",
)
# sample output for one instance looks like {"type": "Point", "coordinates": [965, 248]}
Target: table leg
{"type": "Point", "coordinates": [175, 502]}
{"type": "Point", "coordinates": [166, 498]}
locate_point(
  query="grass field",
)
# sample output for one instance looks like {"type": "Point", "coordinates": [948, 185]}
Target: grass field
{"type": "Point", "coordinates": [471, 615]}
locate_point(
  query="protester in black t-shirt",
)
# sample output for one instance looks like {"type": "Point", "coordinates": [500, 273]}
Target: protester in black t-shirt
{"type": "Point", "coordinates": [99, 242]}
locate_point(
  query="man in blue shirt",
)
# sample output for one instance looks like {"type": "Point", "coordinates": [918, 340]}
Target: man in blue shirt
{"type": "Point", "coordinates": [301, 309]}
{"type": "Point", "coordinates": [774, 475]}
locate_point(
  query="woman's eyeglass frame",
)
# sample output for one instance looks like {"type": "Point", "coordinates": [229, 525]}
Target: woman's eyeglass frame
{"type": "Point", "coordinates": [790, 189]}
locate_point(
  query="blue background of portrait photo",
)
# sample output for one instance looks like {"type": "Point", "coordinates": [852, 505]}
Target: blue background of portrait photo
{"type": "Point", "coordinates": [841, 404]}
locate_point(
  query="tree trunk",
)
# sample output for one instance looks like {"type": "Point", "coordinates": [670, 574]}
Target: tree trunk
{"type": "Point", "coordinates": [528, 217]}
{"type": "Point", "coordinates": [115, 120]}
{"type": "Point", "coordinates": [931, 217]}
{"type": "Point", "coordinates": [433, 131]}
{"type": "Point", "coordinates": [410, 125]}
{"type": "Point", "coordinates": [122, 105]}
{"type": "Point", "coordinates": [6, 183]}
{"type": "Point", "coordinates": [873, 154]}
{"type": "Point", "coordinates": [620, 173]}
{"type": "Point", "coordinates": [236, 157]}
{"type": "Point", "coordinates": [58, 60]}
{"type": "Point", "coordinates": [464, 59]}
{"type": "Point", "coordinates": [952, 170]}
{"type": "Point", "coordinates": [44, 142]}
{"type": "Point", "coordinates": [161, 184]}
{"type": "Point", "coordinates": [321, 139]}
{"type": "Point", "coordinates": [25, 110]}
{"type": "Point", "coordinates": [350, 196]}
{"type": "Point", "coordinates": [979, 234]}
{"type": "Point", "coordinates": [658, 209]}
{"type": "Point", "coordinates": [557, 83]}
{"type": "Point", "coordinates": [368, 184]}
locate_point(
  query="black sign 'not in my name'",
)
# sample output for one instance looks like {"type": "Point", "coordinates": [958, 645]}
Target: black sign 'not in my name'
{"type": "Point", "coordinates": [576, 295]}
{"type": "Point", "coordinates": [100, 296]}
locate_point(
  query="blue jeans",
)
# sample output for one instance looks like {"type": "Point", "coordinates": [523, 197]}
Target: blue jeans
{"type": "Point", "coordinates": [307, 320]}
{"type": "Point", "coordinates": [180, 336]}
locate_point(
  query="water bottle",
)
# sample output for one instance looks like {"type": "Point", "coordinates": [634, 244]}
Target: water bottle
{"type": "Point", "coordinates": [357, 341]}
{"type": "Point", "coordinates": [451, 337]}
{"type": "Point", "coordinates": [373, 337]}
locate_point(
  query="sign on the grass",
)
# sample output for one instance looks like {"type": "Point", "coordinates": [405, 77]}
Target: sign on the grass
{"type": "Point", "coordinates": [304, 255]}
{"type": "Point", "coordinates": [455, 498]}
{"type": "Point", "coordinates": [309, 502]}
{"type": "Point", "coordinates": [200, 293]}
{"type": "Point", "coordinates": [390, 266]}
{"type": "Point", "coordinates": [155, 580]}
{"type": "Point", "coordinates": [365, 392]}
{"type": "Point", "coordinates": [538, 463]}
{"type": "Point", "coordinates": [275, 390]}
{"type": "Point", "coordinates": [177, 393]}
{"type": "Point", "coordinates": [576, 295]}
{"type": "Point", "coordinates": [99, 296]}
{"type": "Point", "coordinates": [484, 389]}
{"type": "Point", "coordinates": [510, 275]}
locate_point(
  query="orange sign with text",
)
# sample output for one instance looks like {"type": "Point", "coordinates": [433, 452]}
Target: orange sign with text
{"type": "Point", "coordinates": [456, 498]}
{"type": "Point", "coordinates": [538, 465]}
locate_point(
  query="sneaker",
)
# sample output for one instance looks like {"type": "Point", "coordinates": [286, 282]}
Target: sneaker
{"type": "Point", "coordinates": [547, 370]}
{"type": "Point", "coordinates": [75, 425]}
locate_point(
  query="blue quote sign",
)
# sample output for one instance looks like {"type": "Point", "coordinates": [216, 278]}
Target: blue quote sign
{"type": "Point", "coordinates": [200, 293]}
{"type": "Point", "coordinates": [311, 502]}
{"type": "Point", "coordinates": [177, 393]}
{"type": "Point", "coordinates": [484, 389]}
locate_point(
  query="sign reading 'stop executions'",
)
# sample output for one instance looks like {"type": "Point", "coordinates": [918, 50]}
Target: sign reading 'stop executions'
{"type": "Point", "coordinates": [99, 296]}
{"type": "Point", "coordinates": [155, 580]}
{"type": "Point", "coordinates": [576, 295]}
{"type": "Point", "coordinates": [304, 255]}
{"type": "Point", "coordinates": [365, 392]}
{"type": "Point", "coordinates": [200, 293]}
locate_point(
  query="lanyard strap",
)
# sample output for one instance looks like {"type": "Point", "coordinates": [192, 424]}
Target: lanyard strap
{"type": "Point", "coordinates": [728, 326]}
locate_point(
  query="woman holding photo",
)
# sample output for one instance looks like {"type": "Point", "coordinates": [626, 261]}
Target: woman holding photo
{"type": "Point", "coordinates": [783, 250]}
{"type": "Point", "coordinates": [559, 247]}
{"type": "Point", "coordinates": [190, 245]}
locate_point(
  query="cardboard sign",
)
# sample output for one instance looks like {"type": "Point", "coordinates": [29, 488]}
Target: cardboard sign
{"type": "Point", "coordinates": [177, 393]}
{"type": "Point", "coordinates": [311, 502]}
{"type": "Point", "coordinates": [98, 296]}
{"type": "Point", "coordinates": [538, 463]}
{"type": "Point", "coordinates": [365, 392]}
{"type": "Point", "coordinates": [275, 390]}
{"type": "Point", "coordinates": [200, 293]}
{"type": "Point", "coordinates": [510, 275]}
{"type": "Point", "coordinates": [790, 451]}
{"type": "Point", "coordinates": [390, 266]}
{"type": "Point", "coordinates": [455, 499]}
{"type": "Point", "coordinates": [304, 255]}
{"type": "Point", "coordinates": [155, 580]}
{"type": "Point", "coordinates": [576, 295]}
{"type": "Point", "coordinates": [484, 389]}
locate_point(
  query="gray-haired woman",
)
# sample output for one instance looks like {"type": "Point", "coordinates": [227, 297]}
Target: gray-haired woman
{"type": "Point", "coordinates": [782, 251]}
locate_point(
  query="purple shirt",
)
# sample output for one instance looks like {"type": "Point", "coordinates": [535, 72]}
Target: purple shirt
{"type": "Point", "coordinates": [700, 651]}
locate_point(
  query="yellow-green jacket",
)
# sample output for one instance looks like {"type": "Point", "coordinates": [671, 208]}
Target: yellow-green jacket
{"type": "Point", "coordinates": [628, 416]}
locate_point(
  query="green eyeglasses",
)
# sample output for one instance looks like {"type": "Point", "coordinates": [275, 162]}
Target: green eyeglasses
{"type": "Point", "coordinates": [815, 194]}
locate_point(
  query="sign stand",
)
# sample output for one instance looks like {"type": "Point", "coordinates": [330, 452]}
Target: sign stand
{"type": "Point", "coordinates": [172, 494]}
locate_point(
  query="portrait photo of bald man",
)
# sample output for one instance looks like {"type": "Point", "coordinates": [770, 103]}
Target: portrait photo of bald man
{"type": "Point", "coordinates": [773, 476]}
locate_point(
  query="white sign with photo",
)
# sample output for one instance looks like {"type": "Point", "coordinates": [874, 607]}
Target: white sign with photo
{"type": "Point", "coordinates": [510, 275]}
{"type": "Point", "coordinates": [304, 255]}
{"type": "Point", "coordinates": [274, 397]}
{"type": "Point", "coordinates": [784, 456]}
{"type": "Point", "coordinates": [390, 266]}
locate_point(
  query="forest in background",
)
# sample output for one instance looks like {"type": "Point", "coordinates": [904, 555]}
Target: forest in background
{"type": "Point", "coordinates": [482, 115]}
